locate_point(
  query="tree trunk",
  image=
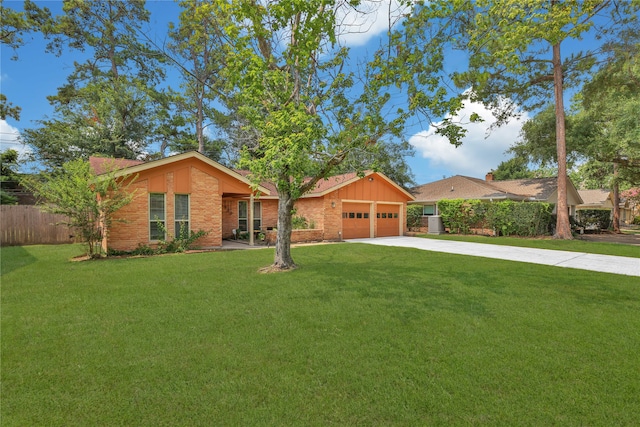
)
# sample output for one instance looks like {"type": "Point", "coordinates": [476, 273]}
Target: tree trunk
{"type": "Point", "coordinates": [563, 227]}
{"type": "Point", "coordinates": [200, 121]}
{"type": "Point", "coordinates": [616, 200]}
{"type": "Point", "coordinates": [283, 260]}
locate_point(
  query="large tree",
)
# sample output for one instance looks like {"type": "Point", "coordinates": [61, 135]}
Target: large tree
{"type": "Point", "coordinates": [602, 132]}
{"type": "Point", "coordinates": [512, 56]}
{"type": "Point", "coordinates": [610, 109]}
{"type": "Point", "coordinates": [301, 108]}
{"type": "Point", "coordinates": [195, 47]}
{"type": "Point", "coordinates": [109, 104]}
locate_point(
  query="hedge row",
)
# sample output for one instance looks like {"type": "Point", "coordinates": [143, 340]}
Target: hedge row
{"type": "Point", "coordinates": [507, 218]}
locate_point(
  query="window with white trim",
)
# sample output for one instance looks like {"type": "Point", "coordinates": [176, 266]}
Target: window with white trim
{"type": "Point", "coordinates": [428, 210]}
{"type": "Point", "coordinates": [156, 216]}
{"type": "Point", "coordinates": [181, 215]}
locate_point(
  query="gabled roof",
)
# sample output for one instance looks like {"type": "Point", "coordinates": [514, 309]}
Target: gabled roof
{"type": "Point", "coordinates": [461, 187]}
{"type": "Point", "coordinates": [333, 183]}
{"type": "Point", "coordinates": [132, 167]}
{"type": "Point", "coordinates": [102, 165]}
{"type": "Point", "coordinates": [464, 187]}
{"type": "Point", "coordinates": [538, 189]}
{"type": "Point", "coordinates": [596, 199]}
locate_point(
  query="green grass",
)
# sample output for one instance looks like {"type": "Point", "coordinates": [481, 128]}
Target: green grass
{"type": "Point", "coordinates": [546, 243]}
{"type": "Point", "coordinates": [358, 335]}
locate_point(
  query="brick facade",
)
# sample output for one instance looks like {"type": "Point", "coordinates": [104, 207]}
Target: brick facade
{"type": "Point", "coordinates": [214, 196]}
{"type": "Point", "coordinates": [205, 184]}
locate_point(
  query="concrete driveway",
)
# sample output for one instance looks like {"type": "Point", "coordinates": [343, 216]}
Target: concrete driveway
{"type": "Point", "coordinates": [602, 263]}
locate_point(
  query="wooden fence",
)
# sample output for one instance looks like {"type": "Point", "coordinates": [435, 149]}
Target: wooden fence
{"type": "Point", "coordinates": [28, 225]}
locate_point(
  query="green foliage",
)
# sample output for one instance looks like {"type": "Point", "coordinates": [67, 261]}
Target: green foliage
{"type": "Point", "coordinates": [180, 243]}
{"type": "Point", "coordinates": [515, 168]}
{"type": "Point", "coordinates": [298, 222]}
{"type": "Point", "coordinates": [8, 176]}
{"type": "Point", "coordinates": [89, 201]}
{"type": "Point", "coordinates": [459, 215]}
{"type": "Point", "coordinates": [301, 109]}
{"type": "Point", "coordinates": [513, 58]}
{"type": "Point", "coordinates": [15, 25]}
{"type": "Point", "coordinates": [109, 104]}
{"type": "Point", "coordinates": [597, 219]}
{"type": "Point", "coordinates": [414, 216]}
{"type": "Point", "coordinates": [506, 218]}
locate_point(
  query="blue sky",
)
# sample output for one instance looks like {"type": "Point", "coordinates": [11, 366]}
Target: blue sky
{"type": "Point", "coordinates": [35, 75]}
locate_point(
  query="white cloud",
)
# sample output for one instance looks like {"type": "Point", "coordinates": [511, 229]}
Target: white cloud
{"type": "Point", "coordinates": [480, 151]}
{"type": "Point", "coordinates": [368, 20]}
{"type": "Point", "coordinates": [10, 138]}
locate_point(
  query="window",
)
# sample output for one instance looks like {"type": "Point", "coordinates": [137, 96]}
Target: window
{"type": "Point", "coordinates": [366, 215]}
{"type": "Point", "coordinates": [156, 217]}
{"type": "Point", "coordinates": [243, 215]}
{"type": "Point", "coordinates": [352, 215]}
{"type": "Point", "coordinates": [428, 210]}
{"type": "Point", "coordinates": [359, 215]}
{"type": "Point", "coordinates": [181, 214]}
{"type": "Point", "coordinates": [257, 215]}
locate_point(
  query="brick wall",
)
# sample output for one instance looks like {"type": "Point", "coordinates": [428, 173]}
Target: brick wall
{"type": "Point", "coordinates": [205, 211]}
{"type": "Point", "coordinates": [127, 235]}
{"type": "Point", "coordinates": [312, 209]}
{"type": "Point", "coordinates": [333, 217]}
{"type": "Point", "coordinates": [297, 236]}
{"type": "Point", "coordinates": [206, 208]}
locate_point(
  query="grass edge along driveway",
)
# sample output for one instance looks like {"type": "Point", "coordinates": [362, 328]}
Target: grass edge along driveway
{"type": "Point", "coordinates": [357, 335]}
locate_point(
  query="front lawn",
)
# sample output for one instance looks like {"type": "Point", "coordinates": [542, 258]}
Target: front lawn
{"type": "Point", "coordinates": [358, 335]}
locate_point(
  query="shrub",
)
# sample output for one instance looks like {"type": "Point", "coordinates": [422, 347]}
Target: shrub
{"type": "Point", "coordinates": [595, 218]}
{"type": "Point", "coordinates": [460, 215]}
{"type": "Point", "coordinates": [299, 222]}
{"type": "Point", "coordinates": [414, 216]}
{"type": "Point", "coordinates": [505, 218]}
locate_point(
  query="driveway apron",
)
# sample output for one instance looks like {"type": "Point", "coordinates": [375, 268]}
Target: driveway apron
{"type": "Point", "coordinates": [579, 260]}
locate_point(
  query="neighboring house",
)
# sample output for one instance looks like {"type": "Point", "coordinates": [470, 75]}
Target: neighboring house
{"type": "Point", "coordinates": [200, 193]}
{"type": "Point", "coordinates": [464, 187]}
{"type": "Point", "coordinates": [627, 211]}
{"type": "Point", "coordinates": [603, 200]}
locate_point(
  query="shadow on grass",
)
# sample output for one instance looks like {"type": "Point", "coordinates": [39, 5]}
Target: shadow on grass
{"type": "Point", "coordinates": [407, 288]}
{"type": "Point", "coordinates": [13, 258]}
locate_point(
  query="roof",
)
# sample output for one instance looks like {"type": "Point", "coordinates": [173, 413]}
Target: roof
{"type": "Point", "coordinates": [333, 183]}
{"type": "Point", "coordinates": [102, 165]}
{"type": "Point", "coordinates": [131, 167]}
{"type": "Point", "coordinates": [461, 187]}
{"type": "Point", "coordinates": [596, 198]}
{"type": "Point", "coordinates": [464, 187]}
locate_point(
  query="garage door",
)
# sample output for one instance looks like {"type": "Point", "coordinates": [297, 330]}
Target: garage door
{"type": "Point", "coordinates": [356, 222]}
{"type": "Point", "coordinates": [388, 220]}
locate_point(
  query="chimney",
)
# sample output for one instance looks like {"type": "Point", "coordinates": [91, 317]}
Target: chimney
{"type": "Point", "coordinates": [489, 177]}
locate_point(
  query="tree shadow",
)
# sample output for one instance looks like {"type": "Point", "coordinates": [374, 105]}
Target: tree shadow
{"type": "Point", "coordinates": [13, 258]}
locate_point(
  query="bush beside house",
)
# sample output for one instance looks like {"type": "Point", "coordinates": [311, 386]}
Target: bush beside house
{"type": "Point", "coordinates": [506, 218]}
